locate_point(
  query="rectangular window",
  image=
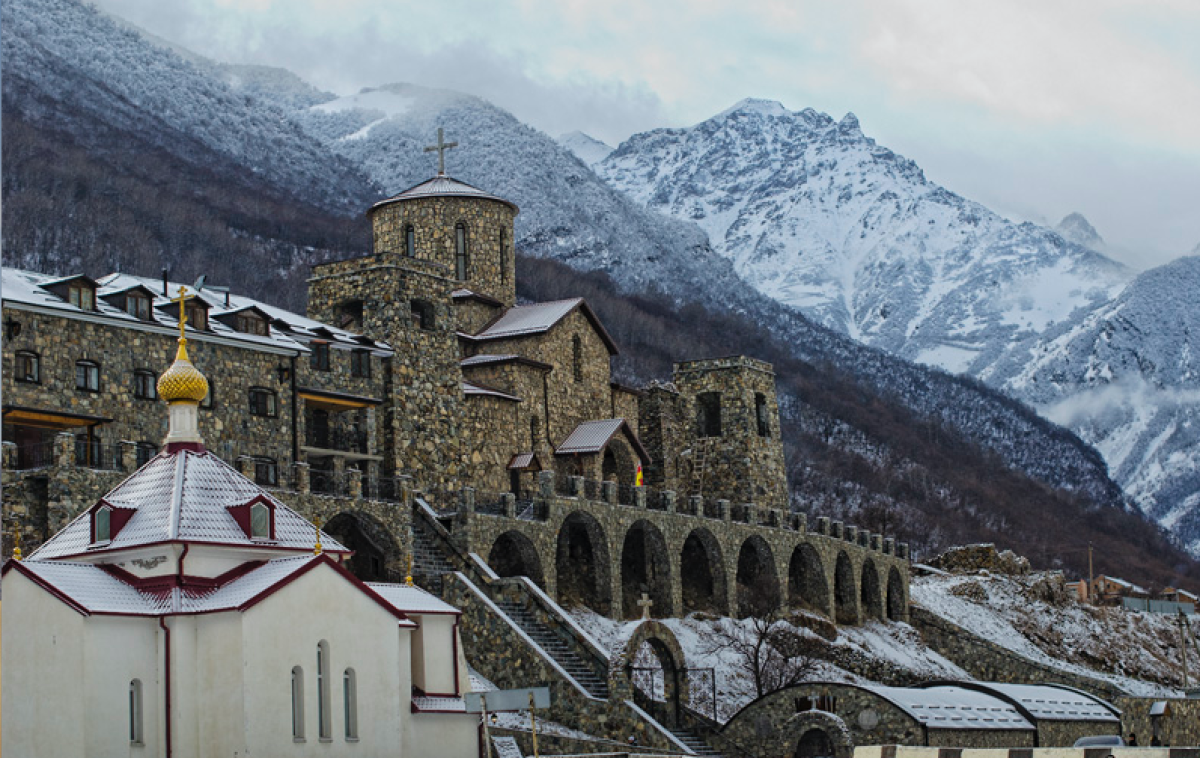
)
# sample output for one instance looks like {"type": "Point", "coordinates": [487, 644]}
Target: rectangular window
{"type": "Point", "coordinates": [350, 704]}
{"type": "Point", "coordinates": [708, 414]}
{"type": "Point", "coordinates": [249, 324]}
{"type": "Point", "coordinates": [87, 376]}
{"type": "Point", "coordinates": [197, 316]}
{"type": "Point", "coordinates": [262, 402]}
{"type": "Point", "coordinates": [266, 472]}
{"type": "Point", "coordinates": [145, 451]}
{"type": "Point", "coordinates": [360, 364]}
{"type": "Point", "coordinates": [81, 296]}
{"type": "Point", "coordinates": [137, 305]}
{"type": "Point", "coordinates": [144, 385]}
{"type": "Point", "coordinates": [28, 367]}
{"type": "Point", "coordinates": [135, 712]}
{"type": "Point", "coordinates": [297, 704]}
{"type": "Point", "coordinates": [320, 356]}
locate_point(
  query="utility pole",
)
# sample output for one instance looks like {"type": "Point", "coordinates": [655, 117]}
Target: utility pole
{"type": "Point", "coordinates": [1183, 647]}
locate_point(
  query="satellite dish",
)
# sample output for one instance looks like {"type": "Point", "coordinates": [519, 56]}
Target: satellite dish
{"type": "Point", "coordinates": [199, 285]}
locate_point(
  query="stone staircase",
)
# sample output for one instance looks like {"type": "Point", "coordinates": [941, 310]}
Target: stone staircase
{"type": "Point", "coordinates": [429, 557]}
{"type": "Point", "coordinates": [556, 648]}
{"type": "Point", "coordinates": [694, 743]}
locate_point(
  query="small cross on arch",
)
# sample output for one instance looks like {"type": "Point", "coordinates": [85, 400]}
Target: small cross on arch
{"type": "Point", "coordinates": [441, 147]}
{"type": "Point", "coordinates": [645, 603]}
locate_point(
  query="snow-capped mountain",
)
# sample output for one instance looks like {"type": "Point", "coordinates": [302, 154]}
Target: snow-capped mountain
{"type": "Point", "coordinates": [585, 147]}
{"type": "Point", "coordinates": [1127, 379]}
{"type": "Point", "coordinates": [1075, 228]}
{"type": "Point", "coordinates": [818, 216]}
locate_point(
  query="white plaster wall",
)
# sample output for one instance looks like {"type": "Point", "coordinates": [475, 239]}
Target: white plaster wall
{"type": "Point", "coordinates": [216, 703]}
{"type": "Point", "coordinates": [446, 735]}
{"type": "Point", "coordinates": [283, 630]}
{"type": "Point", "coordinates": [438, 655]}
{"type": "Point", "coordinates": [117, 650]}
{"type": "Point", "coordinates": [42, 646]}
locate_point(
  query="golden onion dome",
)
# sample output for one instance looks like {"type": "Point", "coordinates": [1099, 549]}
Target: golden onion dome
{"type": "Point", "coordinates": [182, 381]}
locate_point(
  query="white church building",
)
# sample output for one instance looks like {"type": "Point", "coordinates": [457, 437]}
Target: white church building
{"type": "Point", "coordinates": [190, 613]}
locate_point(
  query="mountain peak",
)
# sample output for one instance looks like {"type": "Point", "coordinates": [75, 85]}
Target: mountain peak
{"type": "Point", "coordinates": [755, 105]}
{"type": "Point", "coordinates": [585, 147]}
{"type": "Point", "coordinates": [848, 123]}
{"type": "Point", "coordinates": [1075, 228]}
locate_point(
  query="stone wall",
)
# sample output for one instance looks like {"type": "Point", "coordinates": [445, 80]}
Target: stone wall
{"type": "Point", "coordinates": [490, 270]}
{"type": "Point", "coordinates": [987, 661]}
{"type": "Point", "coordinates": [1181, 727]}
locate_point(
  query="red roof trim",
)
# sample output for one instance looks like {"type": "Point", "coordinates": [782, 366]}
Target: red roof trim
{"type": "Point", "coordinates": [324, 559]}
{"type": "Point", "coordinates": [13, 565]}
{"type": "Point", "coordinates": [260, 545]}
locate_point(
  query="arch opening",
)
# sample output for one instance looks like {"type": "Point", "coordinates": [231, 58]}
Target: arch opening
{"type": "Point", "coordinates": [582, 564]}
{"type": "Point", "coordinates": [701, 573]}
{"type": "Point", "coordinates": [645, 570]}
{"type": "Point", "coordinates": [815, 743]}
{"type": "Point", "coordinates": [896, 604]}
{"type": "Point", "coordinates": [619, 464]}
{"type": "Point", "coordinates": [807, 587]}
{"type": "Point", "coordinates": [514, 554]}
{"type": "Point", "coordinates": [757, 582]}
{"type": "Point", "coordinates": [872, 595]}
{"type": "Point", "coordinates": [845, 595]}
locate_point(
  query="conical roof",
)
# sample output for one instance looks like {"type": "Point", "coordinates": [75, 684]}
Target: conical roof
{"type": "Point", "coordinates": [442, 186]}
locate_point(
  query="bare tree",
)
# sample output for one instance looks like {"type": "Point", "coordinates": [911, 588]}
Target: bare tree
{"type": "Point", "coordinates": [769, 650]}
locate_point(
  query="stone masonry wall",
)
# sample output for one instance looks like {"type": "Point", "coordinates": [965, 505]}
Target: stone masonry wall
{"type": "Point", "coordinates": [1180, 728]}
{"type": "Point", "coordinates": [490, 270]}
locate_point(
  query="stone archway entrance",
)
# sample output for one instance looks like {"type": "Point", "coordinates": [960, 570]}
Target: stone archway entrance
{"type": "Point", "coordinates": [757, 583]}
{"type": "Point", "coordinates": [815, 743]}
{"type": "Point", "coordinates": [872, 595]}
{"type": "Point", "coordinates": [375, 552]}
{"type": "Point", "coordinates": [619, 463]}
{"type": "Point", "coordinates": [645, 569]}
{"type": "Point", "coordinates": [660, 687]}
{"type": "Point", "coordinates": [581, 562]}
{"type": "Point", "coordinates": [845, 593]}
{"type": "Point", "coordinates": [807, 587]}
{"type": "Point", "coordinates": [702, 574]}
{"type": "Point", "coordinates": [514, 554]}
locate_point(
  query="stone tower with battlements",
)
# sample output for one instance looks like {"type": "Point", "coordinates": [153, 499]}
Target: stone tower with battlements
{"type": "Point", "coordinates": [715, 432]}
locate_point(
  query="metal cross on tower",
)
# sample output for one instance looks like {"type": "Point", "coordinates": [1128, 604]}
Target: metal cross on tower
{"type": "Point", "coordinates": [182, 300]}
{"type": "Point", "coordinates": [441, 147]}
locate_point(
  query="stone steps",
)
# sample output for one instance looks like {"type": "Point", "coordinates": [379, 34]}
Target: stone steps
{"type": "Point", "coordinates": [429, 558]}
{"type": "Point", "coordinates": [694, 743]}
{"type": "Point", "coordinates": [556, 648]}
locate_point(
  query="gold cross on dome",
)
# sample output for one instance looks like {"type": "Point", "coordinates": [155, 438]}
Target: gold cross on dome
{"type": "Point", "coordinates": [441, 147]}
{"type": "Point", "coordinates": [182, 300]}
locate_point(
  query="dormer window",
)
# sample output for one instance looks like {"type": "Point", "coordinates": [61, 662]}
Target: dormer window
{"type": "Point", "coordinates": [137, 305]}
{"type": "Point", "coordinates": [260, 522]}
{"type": "Point", "coordinates": [81, 296]}
{"type": "Point", "coordinates": [102, 525]}
{"type": "Point", "coordinates": [249, 323]}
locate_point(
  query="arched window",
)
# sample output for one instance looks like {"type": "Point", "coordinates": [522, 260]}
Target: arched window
{"type": "Point", "coordinates": [410, 241]}
{"type": "Point", "coordinates": [262, 402]}
{"type": "Point", "coordinates": [350, 703]}
{"type": "Point", "coordinates": [102, 524]}
{"type": "Point", "coordinates": [28, 367]}
{"type": "Point", "coordinates": [324, 720]}
{"type": "Point", "coordinates": [577, 357]}
{"type": "Point", "coordinates": [87, 376]}
{"type": "Point", "coordinates": [460, 250]}
{"type": "Point", "coordinates": [135, 712]}
{"type": "Point", "coordinates": [503, 257]}
{"type": "Point", "coordinates": [144, 385]}
{"type": "Point", "coordinates": [760, 414]}
{"type": "Point", "coordinates": [297, 703]}
{"type": "Point", "coordinates": [260, 521]}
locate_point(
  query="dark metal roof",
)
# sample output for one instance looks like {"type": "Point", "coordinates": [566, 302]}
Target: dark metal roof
{"type": "Point", "coordinates": [442, 186]}
{"type": "Point", "coordinates": [594, 436]}
{"type": "Point", "coordinates": [537, 318]}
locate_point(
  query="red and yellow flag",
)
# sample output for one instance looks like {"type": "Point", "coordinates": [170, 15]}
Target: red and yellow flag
{"type": "Point", "coordinates": [638, 480]}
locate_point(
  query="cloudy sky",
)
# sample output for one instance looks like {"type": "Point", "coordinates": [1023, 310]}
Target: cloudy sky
{"type": "Point", "coordinates": [1036, 108]}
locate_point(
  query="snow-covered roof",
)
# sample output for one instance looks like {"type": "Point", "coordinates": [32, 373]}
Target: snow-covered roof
{"type": "Point", "coordinates": [442, 186]}
{"type": "Point", "coordinates": [536, 318]}
{"type": "Point", "coordinates": [953, 707]}
{"type": "Point", "coordinates": [185, 496]}
{"type": "Point", "coordinates": [92, 589]}
{"type": "Point", "coordinates": [593, 436]}
{"type": "Point", "coordinates": [439, 704]}
{"type": "Point", "coordinates": [412, 599]}
{"type": "Point", "coordinates": [1048, 702]}
{"type": "Point", "coordinates": [27, 287]}
{"type": "Point", "coordinates": [484, 359]}
{"type": "Point", "coordinates": [469, 388]}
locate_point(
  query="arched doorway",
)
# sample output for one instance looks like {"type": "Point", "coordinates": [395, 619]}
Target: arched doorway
{"type": "Point", "coordinates": [619, 463]}
{"type": "Point", "coordinates": [845, 593]}
{"type": "Point", "coordinates": [807, 586]}
{"type": "Point", "coordinates": [815, 743]}
{"type": "Point", "coordinates": [654, 666]}
{"type": "Point", "coordinates": [897, 606]}
{"type": "Point", "coordinates": [375, 552]}
{"type": "Point", "coordinates": [702, 573]}
{"type": "Point", "coordinates": [757, 583]}
{"type": "Point", "coordinates": [645, 569]}
{"type": "Point", "coordinates": [582, 564]}
{"type": "Point", "coordinates": [872, 594]}
{"type": "Point", "coordinates": [513, 554]}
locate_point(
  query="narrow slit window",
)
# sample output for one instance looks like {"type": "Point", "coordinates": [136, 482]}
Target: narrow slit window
{"type": "Point", "coordinates": [324, 721]}
{"type": "Point", "coordinates": [350, 703]}
{"type": "Point", "coordinates": [503, 257]}
{"type": "Point", "coordinates": [460, 250]}
{"type": "Point", "coordinates": [297, 703]}
{"type": "Point", "coordinates": [135, 712]}
{"type": "Point", "coordinates": [577, 358]}
{"type": "Point", "coordinates": [410, 241]}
